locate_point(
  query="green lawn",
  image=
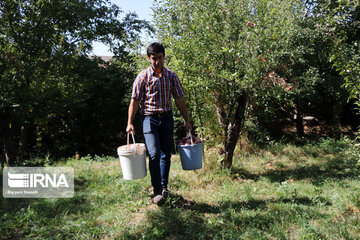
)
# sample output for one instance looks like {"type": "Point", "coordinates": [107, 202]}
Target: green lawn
{"type": "Point", "coordinates": [283, 192]}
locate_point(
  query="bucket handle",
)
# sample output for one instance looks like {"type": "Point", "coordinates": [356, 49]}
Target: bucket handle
{"type": "Point", "coordinates": [132, 135]}
{"type": "Point", "coordinates": [192, 143]}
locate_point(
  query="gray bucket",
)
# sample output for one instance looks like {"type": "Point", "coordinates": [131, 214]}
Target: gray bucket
{"type": "Point", "coordinates": [191, 156]}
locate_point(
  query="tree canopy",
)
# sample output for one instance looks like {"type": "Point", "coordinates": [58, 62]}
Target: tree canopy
{"type": "Point", "coordinates": [47, 79]}
{"type": "Point", "coordinates": [265, 61]}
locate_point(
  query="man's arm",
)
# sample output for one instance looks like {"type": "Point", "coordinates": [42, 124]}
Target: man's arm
{"type": "Point", "coordinates": [180, 103]}
{"type": "Point", "coordinates": [133, 107]}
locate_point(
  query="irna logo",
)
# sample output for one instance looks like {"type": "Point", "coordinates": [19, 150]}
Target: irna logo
{"type": "Point", "coordinates": [25, 180]}
{"type": "Point", "coordinates": [38, 182]}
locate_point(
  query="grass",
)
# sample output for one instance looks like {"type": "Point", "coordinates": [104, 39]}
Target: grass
{"type": "Point", "coordinates": [281, 192]}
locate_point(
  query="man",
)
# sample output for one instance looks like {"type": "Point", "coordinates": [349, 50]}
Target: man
{"type": "Point", "coordinates": [152, 91]}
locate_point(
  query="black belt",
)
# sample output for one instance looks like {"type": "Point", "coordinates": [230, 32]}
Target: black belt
{"type": "Point", "coordinates": [161, 114]}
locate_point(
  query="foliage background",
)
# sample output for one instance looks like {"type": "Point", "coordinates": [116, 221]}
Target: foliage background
{"type": "Point", "coordinates": [55, 100]}
{"type": "Point", "coordinates": [263, 63]}
{"type": "Point", "coordinates": [295, 63]}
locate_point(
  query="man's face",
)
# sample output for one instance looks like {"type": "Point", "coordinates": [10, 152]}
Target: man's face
{"type": "Point", "coordinates": [157, 61]}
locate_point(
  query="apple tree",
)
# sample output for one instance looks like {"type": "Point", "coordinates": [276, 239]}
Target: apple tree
{"type": "Point", "coordinates": [224, 51]}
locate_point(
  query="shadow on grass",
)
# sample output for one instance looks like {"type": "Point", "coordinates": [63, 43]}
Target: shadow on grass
{"type": "Point", "coordinates": [177, 201]}
{"type": "Point", "coordinates": [179, 218]}
{"type": "Point", "coordinates": [23, 217]}
{"type": "Point", "coordinates": [337, 168]}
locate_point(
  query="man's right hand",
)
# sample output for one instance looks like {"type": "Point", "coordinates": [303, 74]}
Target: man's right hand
{"type": "Point", "coordinates": [130, 128]}
{"type": "Point", "coordinates": [188, 126]}
{"type": "Point", "coordinates": [133, 107]}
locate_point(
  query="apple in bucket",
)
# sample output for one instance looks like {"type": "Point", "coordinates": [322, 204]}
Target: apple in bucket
{"type": "Point", "coordinates": [187, 141]}
{"type": "Point", "coordinates": [130, 146]}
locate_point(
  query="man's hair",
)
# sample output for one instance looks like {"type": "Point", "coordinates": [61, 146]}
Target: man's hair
{"type": "Point", "coordinates": [155, 48]}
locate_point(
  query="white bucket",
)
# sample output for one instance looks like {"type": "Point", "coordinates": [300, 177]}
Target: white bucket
{"type": "Point", "coordinates": [133, 160]}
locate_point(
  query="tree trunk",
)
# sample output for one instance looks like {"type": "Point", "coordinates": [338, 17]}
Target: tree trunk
{"type": "Point", "coordinates": [299, 122]}
{"type": "Point", "coordinates": [234, 129]}
{"type": "Point", "coordinates": [8, 144]}
{"type": "Point", "coordinates": [26, 140]}
{"type": "Point", "coordinates": [232, 124]}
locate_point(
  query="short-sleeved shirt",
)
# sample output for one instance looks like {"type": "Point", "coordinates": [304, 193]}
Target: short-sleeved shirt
{"type": "Point", "coordinates": [155, 93]}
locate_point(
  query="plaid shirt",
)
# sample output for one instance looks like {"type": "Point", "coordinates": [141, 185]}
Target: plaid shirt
{"type": "Point", "coordinates": [155, 93]}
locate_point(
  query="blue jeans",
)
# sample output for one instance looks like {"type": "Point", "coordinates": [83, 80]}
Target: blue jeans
{"type": "Point", "coordinates": [158, 133]}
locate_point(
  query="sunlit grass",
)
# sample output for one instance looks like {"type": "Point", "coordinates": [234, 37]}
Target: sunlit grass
{"type": "Point", "coordinates": [279, 192]}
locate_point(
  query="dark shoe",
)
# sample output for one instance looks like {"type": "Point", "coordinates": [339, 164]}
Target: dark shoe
{"type": "Point", "coordinates": [165, 193]}
{"type": "Point", "coordinates": [158, 199]}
